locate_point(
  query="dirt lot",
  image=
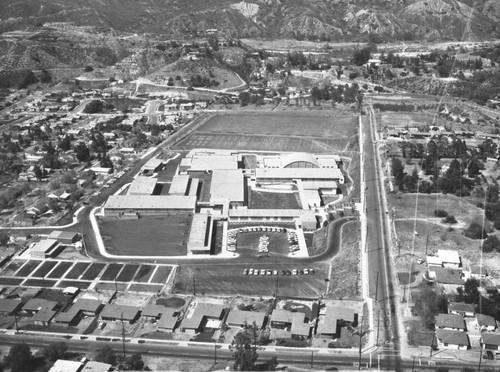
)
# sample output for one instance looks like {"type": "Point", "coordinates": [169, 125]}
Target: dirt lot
{"type": "Point", "coordinates": [464, 211]}
{"type": "Point", "coordinates": [345, 276]}
{"type": "Point", "coordinates": [156, 236]}
{"type": "Point", "coordinates": [212, 280]}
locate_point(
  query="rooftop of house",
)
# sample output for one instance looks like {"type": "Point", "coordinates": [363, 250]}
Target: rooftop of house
{"type": "Point", "coordinates": [453, 337]}
{"type": "Point", "coordinates": [449, 321]}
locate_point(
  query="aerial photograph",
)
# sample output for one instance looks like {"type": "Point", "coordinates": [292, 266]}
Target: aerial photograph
{"type": "Point", "coordinates": [249, 185]}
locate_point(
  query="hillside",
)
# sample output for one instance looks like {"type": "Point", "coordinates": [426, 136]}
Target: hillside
{"type": "Point", "coordinates": [44, 48]}
{"type": "Point", "coordinates": [338, 20]}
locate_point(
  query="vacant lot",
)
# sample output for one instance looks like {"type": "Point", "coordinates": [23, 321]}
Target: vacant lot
{"type": "Point", "coordinates": [434, 236]}
{"type": "Point", "coordinates": [272, 200]}
{"type": "Point", "coordinates": [147, 236]}
{"type": "Point", "coordinates": [464, 211]}
{"type": "Point", "coordinates": [314, 133]}
{"type": "Point", "coordinates": [345, 276]}
{"type": "Point", "coordinates": [230, 280]}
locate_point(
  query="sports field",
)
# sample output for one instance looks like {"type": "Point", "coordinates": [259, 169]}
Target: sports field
{"type": "Point", "coordinates": [61, 273]}
{"type": "Point", "coordinates": [277, 132]}
{"type": "Point", "coordinates": [147, 236]}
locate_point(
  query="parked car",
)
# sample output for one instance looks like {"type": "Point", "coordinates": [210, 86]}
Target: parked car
{"type": "Point", "coordinates": [245, 271]}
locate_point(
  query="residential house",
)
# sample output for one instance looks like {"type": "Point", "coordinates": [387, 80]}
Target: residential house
{"type": "Point", "coordinates": [490, 341]}
{"type": "Point", "coordinates": [452, 339]}
{"type": "Point", "coordinates": [461, 308]}
{"type": "Point", "coordinates": [10, 307]}
{"type": "Point", "coordinates": [35, 305]}
{"type": "Point", "coordinates": [118, 312]}
{"type": "Point", "coordinates": [93, 366]}
{"type": "Point", "coordinates": [66, 366]}
{"type": "Point", "coordinates": [154, 312]}
{"type": "Point", "coordinates": [291, 321]}
{"type": "Point", "coordinates": [43, 317]}
{"type": "Point", "coordinates": [202, 316]}
{"type": "Point", "coordinates": [486, 322]}
{"type": "Point", "coordinates": [64, 237]}
{"type": "Point", "coordinates": [168, 321]}
{"type": "Point", "coordinates": [450, 322]}
{"type": "Point", "coordinates": [330, 323]}
{"type": "Point", "coordinates": [238, 318]}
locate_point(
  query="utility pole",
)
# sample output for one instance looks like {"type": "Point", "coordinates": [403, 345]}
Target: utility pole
{"type": "Point", "coordinates": [17, 327]}
{"type": "Point", "coordinates": [413, 365]}
{"type": "Point", "coordinates": [312, 358]}
{"type": "Point", "coordinates": [215, 352]}
{"type": "Point", "coordinates": [378, 324]}
{"type": "Point", "coordinates": [432, 344]}
{"type": "Point", "coordinates": [116, 287]}
{"type": "Point", "coordinates": [376, 288]}
{"type": "Point", "coordinates": [123, 336]}
{"type": "Point", "coordinates": [194, 285]}
{"type": "Point", "coordinates": [360, 338]}
{"type": "Point", "coordinates": [480, 360]}
{"type": "Point", "coordinates": [426, 245]}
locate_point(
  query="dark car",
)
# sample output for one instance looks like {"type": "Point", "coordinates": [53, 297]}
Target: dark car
{"type": "Point", "coordinates": [489, 355]}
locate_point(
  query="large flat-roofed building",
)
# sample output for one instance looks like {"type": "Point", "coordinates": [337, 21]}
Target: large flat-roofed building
{"type": "Point", "coordinates": [270, 175]}
{"type": "Point", "coordinates": [201, 162]}
{"type": "Point", "coordinates": [228, 184]}
{"type": "Point", "coordinates": [200, 236]}
{"type": "Point", "coordinates": [299, 160]}
{"type": "Point", "coordinates": [152, 165]}
{"type": "Point", "coordinates": [45, 248]}
{"type": "Point", "coordinates": [142, 186]}
{"type": "Point", "coordinates": [306, 216]}
{"type": "Point", "coordinates": [179, 185]}
{"type": "Point", "coordinates": [118, 205]}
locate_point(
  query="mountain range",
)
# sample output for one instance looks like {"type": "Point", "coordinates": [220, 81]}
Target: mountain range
{"type": "Point", "coordinates": [330, 20]}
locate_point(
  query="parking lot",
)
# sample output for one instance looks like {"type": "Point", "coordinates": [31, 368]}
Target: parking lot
{"type": "Point", "coordinates": [85, 275]}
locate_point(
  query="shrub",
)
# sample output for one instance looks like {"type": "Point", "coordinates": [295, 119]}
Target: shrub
{"type": "Point", "coordinates": [450, 219]}
{"type": "Point", "coordinates": [440, 213]}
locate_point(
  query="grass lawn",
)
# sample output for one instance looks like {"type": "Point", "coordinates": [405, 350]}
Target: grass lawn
{"type": "Point", "coordinates": [289, 124]}
{"type": "Point", "coordinates": [318, 242]}
{"type": "Point", "coordinates": [272, 200]}
{"type": "Point", "coordinates": [154, 236]}
{"type": "Point", "coordinates": [345, 276]}
{"type": "Point", "coordinates": [303, 132]}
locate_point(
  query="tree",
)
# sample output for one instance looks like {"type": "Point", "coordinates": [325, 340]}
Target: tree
{"type": "Point", "coordinates": [475, 231]}
{"type": "Point", "coordinates": [4, 238]}
{"type": "Point", "coordinates": [20, 358]}
{"type": "Point", "coordinates": [55, 350]}
{"type": "Point", "coordinates": [37, 171]}
{"type": "Point", "coordinates": [428, 304]}
{"type": "Point", "coordinates": [245, 354]}
{"type": "Point", "coordinates": [105, 354]}
{"type": "Point", "coordinates": [361, 56]}
{"type": "Point", "coordinates": [470, 292]}
{"type": "Point", "coordinates": [65, 144]}
{"type": "Point", "coordinates": [492, 193]}
{"type": "Point", "coordinates": [82, 152]}
{"type": "Point", "coordinates": [134, 363]}
{"type": "Point", "coordinates": [397, 171]}
{"type": "Point", "coordinates": [492, 243]}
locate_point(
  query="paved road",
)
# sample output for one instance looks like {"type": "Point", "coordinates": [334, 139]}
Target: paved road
{"type": "Point", "coordinates": [377, 245]}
